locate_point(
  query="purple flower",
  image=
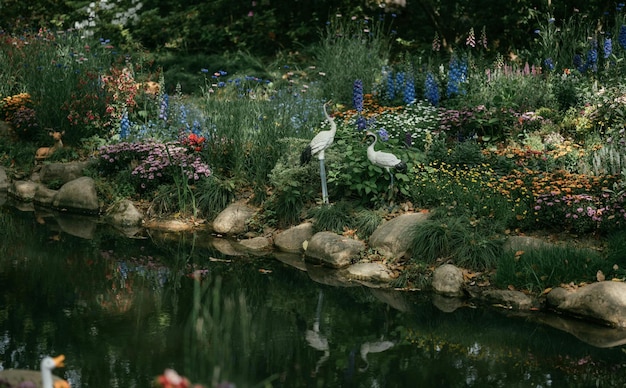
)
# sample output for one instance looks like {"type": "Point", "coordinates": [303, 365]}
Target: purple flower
{"type": "Point", "coordinates": [357, 95]}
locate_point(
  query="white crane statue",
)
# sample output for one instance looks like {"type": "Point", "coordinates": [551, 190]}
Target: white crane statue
{"type": "Point", "coordinates": [317, 146]}
{"type": "Point", "coordinates": [385, 160]}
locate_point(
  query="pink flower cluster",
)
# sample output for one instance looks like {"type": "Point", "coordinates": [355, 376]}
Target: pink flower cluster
{"type": "Point", "coordinates": [156, 161]}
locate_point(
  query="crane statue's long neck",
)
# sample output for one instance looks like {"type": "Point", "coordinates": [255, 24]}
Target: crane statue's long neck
{"type": "Point", "coordinates": [374, 142]}
{"type": "Point", "coordinates": [331, 120]}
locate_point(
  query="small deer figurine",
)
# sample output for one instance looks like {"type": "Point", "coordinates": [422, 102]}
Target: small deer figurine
{"type": "Point", "coordinates": [44, 152]}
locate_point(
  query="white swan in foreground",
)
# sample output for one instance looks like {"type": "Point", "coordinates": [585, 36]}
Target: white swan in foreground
{"type": "Point", "coordinates": [30, 378]}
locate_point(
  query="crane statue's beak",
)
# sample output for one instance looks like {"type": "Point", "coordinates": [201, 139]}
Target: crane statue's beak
{"type": "Point", "coordinates": [58, 361]}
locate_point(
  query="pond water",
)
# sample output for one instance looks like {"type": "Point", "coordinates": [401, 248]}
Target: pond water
{"type": "Point", "coordinates": [123, 309]}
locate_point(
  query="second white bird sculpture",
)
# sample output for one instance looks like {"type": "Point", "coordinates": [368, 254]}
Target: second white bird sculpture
{"type": "Point", "coordinates": [382, 159]}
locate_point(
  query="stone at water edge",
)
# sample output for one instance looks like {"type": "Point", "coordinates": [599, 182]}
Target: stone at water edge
{"type": "Point", "coordinates": [78, 195]}
{"type": "Point", "coordinates": [332, 250]}
{"type": "Point", "coordinates": [603, 302]}
{"type": "Point", "coordinates": [448, 281]}
{"type": "Point", "coordinates": [233, 220]}
{"type": "Point", "coordinates": [293, 239]}
{"type": "Point", "coordinates": [390, 238]}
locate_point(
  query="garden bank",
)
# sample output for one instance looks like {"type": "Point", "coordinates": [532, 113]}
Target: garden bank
{"type": "Point", "coordinates": [594, 312]}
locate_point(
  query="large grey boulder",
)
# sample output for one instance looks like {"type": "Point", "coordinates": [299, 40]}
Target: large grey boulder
{"type": "Point", "coordinates": [332, 250]}
{"type": "Point", "coordinates": [233, 220]}
{"type": "Point", "coordinates": [124, 214]}
{"type": "Point", "coordinates": [448, 281]}
{"type": "Point", "coordinates": [4, 180]}
{"type": "Point", "coordinates": [62, 172]}
{"type": "Point", "coordinates": [257, 244]}
{"type": "Point", "coordinates": [291, 240]}
{"type": "Point", "coordinates": [44, 196]}
{"type": "Point", "coordinates": [23, 190]}
{"type": "Point", "coordinates": [509, 299]}
{"type": "Point", "coordinates": [370, 273]}
{"type": "Point", "coordinates": [392, 238]}
{"type": "Point", "coordinates": [78, 195]}
{"type": "Point", "coordinates": [603, 302]}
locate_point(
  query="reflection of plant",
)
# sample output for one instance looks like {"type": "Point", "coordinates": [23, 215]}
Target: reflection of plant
{"type": "Point", "coordinates": [226, 322]}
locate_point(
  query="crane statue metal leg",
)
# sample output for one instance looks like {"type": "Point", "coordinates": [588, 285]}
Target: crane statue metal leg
{"type": "Point", "coordinates": [323, 178]}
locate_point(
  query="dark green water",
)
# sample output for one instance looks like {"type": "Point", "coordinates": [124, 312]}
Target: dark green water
{"type": "Point", "coordinates": [122, 310]}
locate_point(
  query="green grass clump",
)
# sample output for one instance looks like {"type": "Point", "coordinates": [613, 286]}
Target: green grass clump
{"type": "Point", "coordinates": [214, 195]}
{"type": "Point", "coordinates": [539, 268]}
{"type": "Point", "coordinates": [366, 222]}
{"type": "Point", "coordinates": [466, 242]}
{"type": "Point", "coordinates": [334, 217]}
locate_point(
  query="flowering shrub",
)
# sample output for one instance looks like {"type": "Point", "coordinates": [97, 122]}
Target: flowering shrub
{"type": "Point", "coordinates": [415, 125]}
{"type": "Point", "coordinates": [478, 121]}
{"type": "Point", "coordinates": [153, 163]}
{"type": "Point", "coordinates": [194, 142]}
{"type": "Point", "coordinates": [556, 198]}
{"type": "Point", "coordinates": [17, 110]}
{"type": "Point", "coordinates": [120, 84]}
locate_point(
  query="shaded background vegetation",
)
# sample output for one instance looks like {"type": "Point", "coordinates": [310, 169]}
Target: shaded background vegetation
{"type": "Point", "coordinates": [264, 27]}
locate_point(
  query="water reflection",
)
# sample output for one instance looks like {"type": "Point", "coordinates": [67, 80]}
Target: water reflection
{"type": "Point", "coordinates": [122, 310]}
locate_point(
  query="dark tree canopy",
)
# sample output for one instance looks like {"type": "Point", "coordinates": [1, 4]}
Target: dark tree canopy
{"type": "Point", "coordinates": [265, 27]}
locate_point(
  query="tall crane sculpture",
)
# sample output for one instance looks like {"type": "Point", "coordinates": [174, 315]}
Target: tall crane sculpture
{"type": "Point", "coordinates": [317, 146]}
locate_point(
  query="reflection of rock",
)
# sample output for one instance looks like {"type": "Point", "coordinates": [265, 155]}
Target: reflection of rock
{"type": "Point", "coordinates": [603, 302]}
{"type": "Point", "coordinates": [390, 238]}
{"type": "Point", "coordinates": [332, 250]}
{"type": "Point", "coordinates": [447, 304]}
{"type": "Point", "coordinates": [448, 281]}
{"type": "Point", "coordinates": [76, 225]}
{"type": "Point", "coordinates": [396, 299]}
{"type": "Point", "coordinates": [328, 276]}
{"type": "Point", "coordinates": [291, 240]}
{"type": "Point", "coordinates": [292, 259]}
{"type": "Point", "coordinates": [595, 335]}
{"type": "Point", "coordinates": [226, 247]}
